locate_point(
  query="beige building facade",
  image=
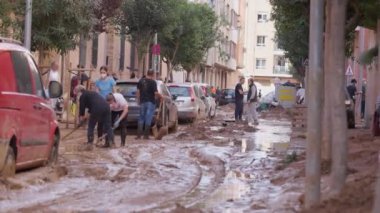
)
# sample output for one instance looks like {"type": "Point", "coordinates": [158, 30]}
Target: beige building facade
{"type": "Point", "coordinates": [263, 59]}
{"type": "Point", "coordinates": [222, 66]}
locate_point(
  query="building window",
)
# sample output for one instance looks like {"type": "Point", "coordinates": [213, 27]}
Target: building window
{"type": "Point", "coordinates": [260, 40]}
{"type": "Point", "coordinates": [262, 17]}
{"type": "Point", "coordinates": [234, 18]}
{"type": "Point", "coordinates": [232, 49]}
{"type": "Point", "coordinates": [211, 3]}
{"type": "Point", "coordinates": [261, 63]}
{"type": "Point", "coordinates": [276, 48]}
{"type": "Point", "coordinates": [281, 61]}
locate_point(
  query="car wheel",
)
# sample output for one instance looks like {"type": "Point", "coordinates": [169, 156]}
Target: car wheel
{"type": "Point", "coordinates": [53, 157]}
{"type": "Point", "coordinates": [9, 169]}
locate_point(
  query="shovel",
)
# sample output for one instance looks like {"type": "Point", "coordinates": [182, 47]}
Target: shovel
{"type": "Point", "coordinates": [159, 134]}
{"type": "Point", "coordinates": [72, 131]}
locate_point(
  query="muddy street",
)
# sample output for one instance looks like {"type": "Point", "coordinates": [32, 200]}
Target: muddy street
{"type": "Point", "coordinates": [211, 166]}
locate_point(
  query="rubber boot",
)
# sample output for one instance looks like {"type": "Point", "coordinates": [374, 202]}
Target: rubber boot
{"type": "Point", "coordinates": [139, 132]}
{"type": "Point", "coordinates": [146, 133]}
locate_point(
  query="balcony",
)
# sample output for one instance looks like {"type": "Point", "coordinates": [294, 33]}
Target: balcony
{"type": "Point", "coordinates": [281, 70]}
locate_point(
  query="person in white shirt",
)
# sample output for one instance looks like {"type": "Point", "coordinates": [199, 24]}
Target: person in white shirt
{"type": "Point", "coordinates": [54, 75]}
{"type": "Point", "coordinates": [119, 109]}
{"type": "Point", "coordinates": [252, 98]}
{"type": "Point", "coordinates": [300, 95]}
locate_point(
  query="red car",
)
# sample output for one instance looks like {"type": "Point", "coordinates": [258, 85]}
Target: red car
{"type": "Point", "coordinates": [29, 133]}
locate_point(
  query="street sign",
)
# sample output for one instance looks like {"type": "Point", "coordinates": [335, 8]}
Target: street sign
{"type": "Point", "coordinates": [349, 71]}
{"type": "Point", "coordinates": [156, 50]}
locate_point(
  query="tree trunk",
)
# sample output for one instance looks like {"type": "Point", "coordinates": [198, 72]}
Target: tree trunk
{"type": "Point", "coordinates": [82, 50]}
{"type": "Point", "coordinates": [169, 76]}
{"type": "Point", "coordinates": [314, 110]}
{"type": "Point", "coordinates": [140, 71]}
{"type": "Point", "coordinates": [188, 75]}
{"type": "Point", "coordinates": [370, 99]}
{"type": "Point", "coordinates": [337, 95]}
{"type": "Point", "coordinates": [326, 127]}
{"type": "Point", "coordinates": [122, 50]}
{"type": "Point", "coordinates": [376, 202]}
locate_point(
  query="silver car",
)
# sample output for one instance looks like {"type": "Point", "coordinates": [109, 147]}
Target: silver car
{"type": "Point", "coordinates": [188, 100]}
{"type": "Point", "coordinates": [169, 110]}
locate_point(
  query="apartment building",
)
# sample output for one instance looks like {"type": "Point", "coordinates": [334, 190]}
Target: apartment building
{"type": "Point", "coordinates": [263, 59]}
{"type": "Point", "coordinates": [224, 62]}
{"type": "Point", "coordinates": [222, 66]}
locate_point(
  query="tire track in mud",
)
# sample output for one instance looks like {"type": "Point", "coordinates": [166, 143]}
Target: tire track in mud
{"type": "Point", "coordinates": [111, 177]}
{"type": "Point", "coordinates": [212, 173]}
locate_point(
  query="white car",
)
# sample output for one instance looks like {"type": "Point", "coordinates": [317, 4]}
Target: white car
{"type": "Point", "coordinates": [188, 100]}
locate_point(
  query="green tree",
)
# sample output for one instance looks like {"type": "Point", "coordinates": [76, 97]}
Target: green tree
{"type": "Point", "coordinates": [190, 34]}
{"type": "Point", "coordinates": [199, 36]}
{"type": "Point", "coordinates": [142, 19]}
{"type": "Point", "coordinates": [5, 16]}
{"type": "Point", "coordinates": [56, 24]}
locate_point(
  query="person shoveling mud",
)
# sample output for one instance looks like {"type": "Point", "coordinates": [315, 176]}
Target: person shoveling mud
{"type": "Point", "coordinates": [119, 108]}
{"type": "Point", "coordinates": [99, 111]}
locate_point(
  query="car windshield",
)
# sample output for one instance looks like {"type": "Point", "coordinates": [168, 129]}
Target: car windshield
{"type": "Point", "coordinates": [179, 91]}
{"type": "Point", "coordinates": [128, 89]}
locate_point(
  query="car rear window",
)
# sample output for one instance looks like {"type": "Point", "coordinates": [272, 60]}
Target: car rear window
{"type": "Point", "coordinates": [229, 92]}
{"type": "Point", "coordinates": [128, 90]}
{"type": "Point", "coordinates": [180, 91]}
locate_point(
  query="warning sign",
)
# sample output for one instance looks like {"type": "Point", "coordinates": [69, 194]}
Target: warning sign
{"type": "Point", "coordinates": [349, 71]}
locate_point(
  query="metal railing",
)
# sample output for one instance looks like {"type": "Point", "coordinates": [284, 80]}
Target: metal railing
{"type": "Point", "coordinates": [281, 70]}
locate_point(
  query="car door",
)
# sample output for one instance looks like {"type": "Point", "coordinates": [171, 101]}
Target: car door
{"type": "Point", "coordinates": [170, 107]}
{"type": "Point", "coordinates": [33, 125]}
{"type": "Point", "coordinates": [44, 109]}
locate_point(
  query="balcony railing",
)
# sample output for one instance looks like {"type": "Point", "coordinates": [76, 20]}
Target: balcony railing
{"type": "Point", "coordinates": [281, 70]}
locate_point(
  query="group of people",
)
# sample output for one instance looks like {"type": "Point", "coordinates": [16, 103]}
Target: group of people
{"type": "Point", "coordinates": [252, 99]}
{"type": "Point", "coordinates": [108, 109]}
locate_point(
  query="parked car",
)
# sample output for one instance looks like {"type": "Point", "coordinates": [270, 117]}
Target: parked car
{"type": "Point", "coordinates": [205, 94]}
{"type": "Point", "coordinates": [188, 100]}
{"type": "Point", "coordinates": [29, 133]}
{"type": "Point", "coordinates": [268, 101]}
{"type": "Point", "coordinates": [169, 111]}
{"type": "Point", "coordinates": [227, 96]}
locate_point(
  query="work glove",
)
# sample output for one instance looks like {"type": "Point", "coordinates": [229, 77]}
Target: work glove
{"type": "Point", "coordinates": [116, 124]}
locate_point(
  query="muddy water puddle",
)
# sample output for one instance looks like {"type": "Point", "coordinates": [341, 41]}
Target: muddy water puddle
{"type": "Point", "coordinates": [247, 186]}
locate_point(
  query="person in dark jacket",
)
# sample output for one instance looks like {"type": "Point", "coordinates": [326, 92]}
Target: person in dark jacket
{"type": "Point", "coordinates": [146, 96]}
{"type": "Point", "coordinates": [239, 102]}
{"type": "Point", "coordinates": [99, 111]}
{"type": "Point", "coordinates": [352, 91]}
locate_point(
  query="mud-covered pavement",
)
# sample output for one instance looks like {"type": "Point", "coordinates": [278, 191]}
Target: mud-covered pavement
{"type": "Point", "coordinates": [210, 166]}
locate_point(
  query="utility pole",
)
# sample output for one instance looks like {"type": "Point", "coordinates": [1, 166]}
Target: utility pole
{"type": "Point", "coordinates": [28, 24]}
{"type": "Point", "coordinates": [314, 110]}
{"type": "Point", "coordinates": [155, 55]}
